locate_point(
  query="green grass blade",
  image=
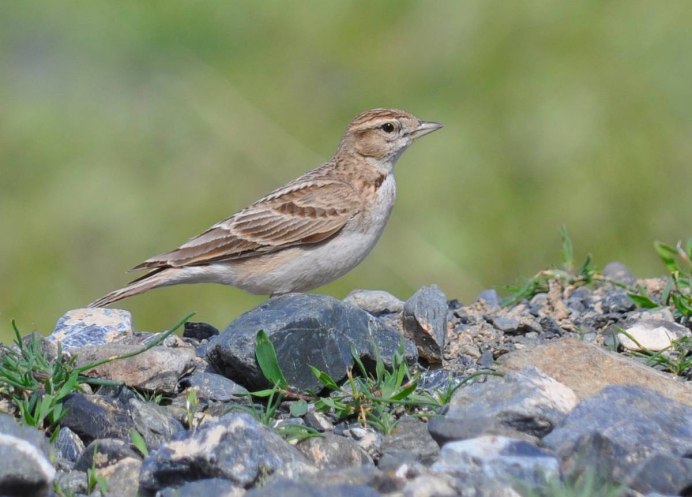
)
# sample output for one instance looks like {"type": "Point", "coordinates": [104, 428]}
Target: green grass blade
{"type": "Point", "coordinates": [267, 360]}
{"type": "Point", "coordinates": [324, 378]}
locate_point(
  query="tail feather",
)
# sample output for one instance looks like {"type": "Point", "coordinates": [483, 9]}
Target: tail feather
{"type": "Point", "coordinates": [150, 280]}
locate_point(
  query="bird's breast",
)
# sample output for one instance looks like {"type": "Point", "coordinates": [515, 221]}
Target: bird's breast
{"type": "Point", "coordinates": [377, 208]}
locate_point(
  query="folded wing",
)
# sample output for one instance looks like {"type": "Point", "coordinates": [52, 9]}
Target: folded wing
{"type": "Point", "coordinates": [298, 214]}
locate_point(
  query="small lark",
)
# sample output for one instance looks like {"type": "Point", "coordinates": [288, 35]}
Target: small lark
{"type": "Point", "coordinates": [305, 234]}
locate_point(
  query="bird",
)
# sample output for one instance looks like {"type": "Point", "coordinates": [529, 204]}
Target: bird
{"type": "Point", "coordinates": [304, 234]}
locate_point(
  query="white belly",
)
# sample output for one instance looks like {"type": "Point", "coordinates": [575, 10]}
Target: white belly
{"type": "Point", "coordinates": [299, 269]}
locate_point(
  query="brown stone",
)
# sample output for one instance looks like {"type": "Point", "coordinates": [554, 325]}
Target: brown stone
{"type": "Point", "coordinates": [587, 368]}
{"type": "Point", "coordinates": [157, 369]}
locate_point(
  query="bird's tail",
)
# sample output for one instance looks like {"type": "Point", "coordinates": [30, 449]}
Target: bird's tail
{"type": "Point", "coordinates": [153, 279]}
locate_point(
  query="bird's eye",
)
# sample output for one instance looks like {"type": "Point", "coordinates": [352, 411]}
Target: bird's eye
{"type": "Point", "coordinates": [387, 127]}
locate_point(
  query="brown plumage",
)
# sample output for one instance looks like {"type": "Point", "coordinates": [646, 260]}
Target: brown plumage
{"type": "Point", "coordinates": [304, 234]}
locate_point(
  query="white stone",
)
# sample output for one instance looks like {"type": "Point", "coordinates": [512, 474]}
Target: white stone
{"type": "Point", "coordinates": [651, 335]}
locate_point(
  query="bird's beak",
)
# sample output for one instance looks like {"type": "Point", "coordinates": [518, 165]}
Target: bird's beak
{"type": "Point", "coordinates": [424, 128]}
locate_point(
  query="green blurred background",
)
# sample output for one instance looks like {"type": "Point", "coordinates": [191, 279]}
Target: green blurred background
{"type": "Point", "coordinates": [127, 127]}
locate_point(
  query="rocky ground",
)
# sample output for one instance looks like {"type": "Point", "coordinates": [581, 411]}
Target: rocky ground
{"type": "Point", "coordinates": [575, 388]}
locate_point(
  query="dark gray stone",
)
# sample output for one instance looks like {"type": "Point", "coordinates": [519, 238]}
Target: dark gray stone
{"type": "Point", "coordinates": [425, 322]}
{"type": "Point", "coordinates": [94, 416]}
{"type": "Point", "coordinates": [25, 469]}
{"type": "Point", "coordinates": [306, 330]}
{"type": "Point", "coordinates": [210, 487]}
{"type": "Point", "coordinates": [624, 431]}
{"type": "Point", "coordinates": [68, 444]}
{"type": "Point", "coordinates": [438, 379]}
{"type": "Point", "coordinates": [367, 438]}
{"type": "Point", "coordinates": [538, 303]}
{"type": "Point", "coordinates": [495, 458]}
{"type": "Point", "coordinates": [117, 462]}
{"type": "Point", "coordinates": [620, 273]}
{"type": "Point", "coordinates": [318, 421]}
{"type": "Point", "coordinates": [10, 427]}
{"type": "Point", "coordinates": [506, 324]}
{"type": "Point", "coordinates": [199, 331]}
{"type": "Point", "coordinates": [212, 386]}
{"type": "Point", "coordinates": [105, 452]}
{"type": "Point", "coordinates": [490, 298]}
{"type": "Point", "coordinates": [580, 299]}
{"type": "Point", "coordinates": [675, 480]}
{"type": "Point", "coordinates": [526, 401]}
{"type": "Point", "coordinates": [72, 482]}
{"type": "Point", "coordinates": [444, 430]}
{"type": "Point", "coordinates": [236, 448]}
{"type": "Point", "coordinates": [123, 478]}
{"type": "Point", "coordinates": [155, 423]}
{"type": "Point", "coordinates": [294, 489]}
{"type": "Point", "coordinates": [617, 301]}
{"type": "Point", "coordinates": [408, 443]}
{"type": "Point", "coordinates": [333, 451]}
{"type": "Point", "coordinates": [550, 327]}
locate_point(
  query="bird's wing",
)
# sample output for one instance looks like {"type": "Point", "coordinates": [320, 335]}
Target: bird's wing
{"type": "Point", "coordinates": [298, 214]}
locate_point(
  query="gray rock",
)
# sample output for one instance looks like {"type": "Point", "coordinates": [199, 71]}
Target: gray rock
{"type": "Point", "coordinates": [675, 480]}
{"type": "Point", "coordinates": [68, 444]}
{"type": "Point", "coordinates": [305, 329]}
{"type": "Point", "coordinates": [618, 302]}
{"type": "Point", "coordinates": [210, 487]}
{"type": "Point", "coordinates": [376, 302]}
{"type": "Point", "coordinates": [580, 299]}
{"type": "Point", "coordinates": [153, 422]}
{"type": "Point", "coordinates": [490, 298]}
{"type": "Point", "coordinates": [212, 386]}
{"type": "Point", "coordinates": [497, 459]}
{"type": "Point", "coordinates": [91, 326]}
{"type": "Point", "coordinates": [367, 438]}
{"type": "Point", "coordinates": [408, 443]}
{"type": "Point", "coordinates": [506, 324]}
{"type": "Point", "coordinates": [293, 489]}
{"type": "Point", "coordinates": [617, 271]}
{"type": "Point", "coordinates": [538, 303]}
{"type": "Point", "coordinates": [424, 482]}
{"type": "Point", "coordinates": [71, 483]}
{"type": "Point", "coordinates": [333, 451]}
{"type": "Point", "coordinates": [199, 331]}
{"type": "Point", "coordinates": [123, 477]}
{"type": "Point", "coordinates": [425, 322]}
{"type": "Point", "coordinates": [658, 314]}
{"type": "Point", "coordinates": [25, 469]}
{"type": "Point", "coordinates": [105, 452]}
{"type": "Point", "coordinates": [95, 416]}
{"type": "Point", "coordinates": [433, 485]}
{"type": "Point", "coordinates": [116, 462]}
{"type": "Point", "coordinates": [527, 401]}
{"type": "Point", "coordinates": [626, 431]}
{"type": "Point", "coordinates": [433, 380]}
{"type": "Point", "coordinates": [236, 448]}
{"type": "Point", "coordinates": [385, 482]}
{"type": "Point", "coordinates": [158, 369]}
{"type": "Point", "coordinates": [318, 421]}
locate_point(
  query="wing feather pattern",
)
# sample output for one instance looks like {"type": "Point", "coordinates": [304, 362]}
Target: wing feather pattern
{"type": "Point", "coordinates": [300, 213]}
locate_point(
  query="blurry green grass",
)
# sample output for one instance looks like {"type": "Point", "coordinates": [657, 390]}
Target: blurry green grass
{"type": "Point", "coordinates": [128, 127]}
